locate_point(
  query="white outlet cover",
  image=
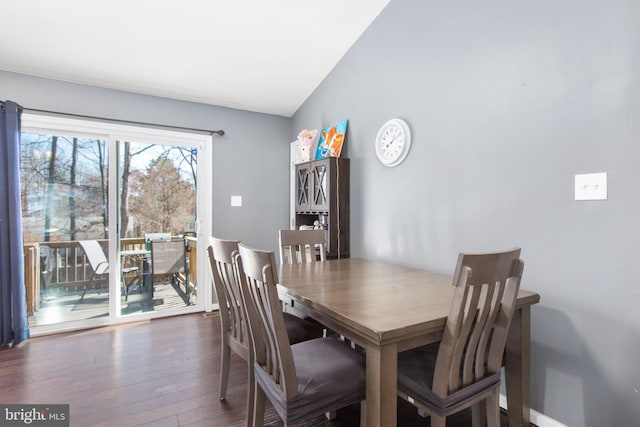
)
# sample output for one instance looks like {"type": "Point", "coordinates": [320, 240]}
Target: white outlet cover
{"type": "Point", "coordinates": [591, 186]}
{"type": "Point", "coordinates": [236, 201]}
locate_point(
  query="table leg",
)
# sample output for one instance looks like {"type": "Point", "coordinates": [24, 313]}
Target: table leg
{"type": "Point", "coordinates": [147, 280]}
{"type": "Point", "coordinates": [382, 386]}
{"type": "Point", "coordinates": [517, 368]}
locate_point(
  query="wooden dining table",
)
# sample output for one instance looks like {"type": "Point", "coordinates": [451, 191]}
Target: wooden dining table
{"type": "Point", "coordinates": [385, 309]}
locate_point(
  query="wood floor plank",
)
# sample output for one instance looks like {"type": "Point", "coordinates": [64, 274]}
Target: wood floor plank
{"type": "Point", "coordinates": [160, 373]}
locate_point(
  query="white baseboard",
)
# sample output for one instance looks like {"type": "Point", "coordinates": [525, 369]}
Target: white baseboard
{"type": "Point", "coordinates": [541, 420]}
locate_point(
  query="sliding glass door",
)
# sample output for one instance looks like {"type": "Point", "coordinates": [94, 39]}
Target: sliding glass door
{"type": "Point", "coordinates": [157, 226]}
{"type": "Point", "coordinates": [113, 217]}
{"type": "Point", "coordinates": [64, 179]}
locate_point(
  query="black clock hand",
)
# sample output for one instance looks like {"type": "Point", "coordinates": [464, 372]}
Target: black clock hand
{"type": "Point", "coordinates": [392, 141]}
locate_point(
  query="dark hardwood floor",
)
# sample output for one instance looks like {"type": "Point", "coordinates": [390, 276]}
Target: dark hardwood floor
{"type": "Point", "coordinates": [163, 372]}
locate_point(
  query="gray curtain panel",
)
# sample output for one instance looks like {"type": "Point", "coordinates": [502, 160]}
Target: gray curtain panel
{"type": "Point", "coordinates": [13, 300]}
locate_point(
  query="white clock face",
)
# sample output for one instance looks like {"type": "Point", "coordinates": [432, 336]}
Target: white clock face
{"type": "Point", "coordinates": [393, 142]}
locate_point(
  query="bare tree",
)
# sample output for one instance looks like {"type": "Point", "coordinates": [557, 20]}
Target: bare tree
{"type": "Point", "coordinates": [161, 199]}
{"type": "Point", "coordinates": [102, 166]}
{"type": "Point", "coordinates": [67, 187]}
{"type": "Point", "coordinates": [124, 189]}
{"type": "Point", "coordinates": [72, 190]}
{"type": "Point", "coordinates": [189, 156]}
{"type": "Point", "coordinates": [50, 188]}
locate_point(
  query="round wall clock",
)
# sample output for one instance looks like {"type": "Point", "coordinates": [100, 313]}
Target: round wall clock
{"type": "Point", "coordinates": [393, 142]}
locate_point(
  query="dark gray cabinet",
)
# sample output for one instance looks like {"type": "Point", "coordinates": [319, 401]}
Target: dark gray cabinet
{"type": "Point", "coordinates": [322, 200]}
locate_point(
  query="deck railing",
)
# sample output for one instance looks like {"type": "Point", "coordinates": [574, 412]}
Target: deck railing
{"type": "Point", "coordinates": [63, 267]}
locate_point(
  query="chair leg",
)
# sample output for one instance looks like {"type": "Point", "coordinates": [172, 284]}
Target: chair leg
{"type": "Point", "coordinates": [251, 385]}
{"type": "Point", "coordinates": [125, 286]}
{"type": "Point", "coordinates": [224, 369]}
{"type": "Point", "coordinates": [259, 400]}
{"type": "Point", "coordinates": [479, 414]}
{"type": "Point", "coordinates": [493, 409]}
{"type": "Point", "coordinates": [363, 413]}
{"type": "Point", "coordinates": [438, 421]}
{"type": "Point", "coordinates": [84, 291]}
{"type": "Point", "coordinates": [186, 284]}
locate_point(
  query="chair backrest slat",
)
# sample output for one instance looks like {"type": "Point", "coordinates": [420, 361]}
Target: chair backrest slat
{"type": "Point", "coordinates": [475, 334]}
{"type": "Point", "coordinates": [302, 246]}
{"type": "Point", "coordinates": [272, 351]}
{"type": "Point", "coordinates": [221, 255]}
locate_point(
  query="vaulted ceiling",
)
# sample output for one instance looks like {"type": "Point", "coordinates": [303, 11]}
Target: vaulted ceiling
{"type": "Point", "coordinates": [263, 56]}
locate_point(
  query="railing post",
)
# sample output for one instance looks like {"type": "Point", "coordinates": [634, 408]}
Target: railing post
{"type": "Point", "coordinates": [32, 276]}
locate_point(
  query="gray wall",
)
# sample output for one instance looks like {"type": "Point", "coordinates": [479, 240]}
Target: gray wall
{"type": "Point", "coordinates": [250, 160]}
{"type": "Point", "coordinates": [507, 101]}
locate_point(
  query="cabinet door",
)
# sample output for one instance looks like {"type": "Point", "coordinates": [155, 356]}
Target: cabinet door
{"type": "Point", "coordinates": [303, 188]}
{"type": "Point", "coordinates": [321, 186]}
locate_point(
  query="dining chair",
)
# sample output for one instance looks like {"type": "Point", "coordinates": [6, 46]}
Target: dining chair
{"type": "Point", "coordinates": [304, 380]}
{"type": "Point", "coordinates": [233, 323]}
{"type": "Point", "coordinates": [301, 246]}
{"type": "Point", "coordinates": [100, 265]}
{"type": "Point", "coordinates": [298, 246]}
{"type": "Point", "coordinates": [463, 369]}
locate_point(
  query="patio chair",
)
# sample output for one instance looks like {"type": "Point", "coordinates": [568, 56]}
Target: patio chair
{"type": "Point", "coordinates": [100, 265]}
{"type": "Point", "coordinates": [149, 237]}
{"type": "Point", "coordinates": [170, 258]}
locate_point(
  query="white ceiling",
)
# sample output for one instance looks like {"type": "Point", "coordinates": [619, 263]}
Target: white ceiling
{"type": "Point", "coordinates": [255, 55]}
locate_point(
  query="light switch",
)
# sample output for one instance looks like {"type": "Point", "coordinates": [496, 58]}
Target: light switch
{"type": "Point", "coordinates": [591, 186]}
{"type": "Point", "coordinates": [236, 201]}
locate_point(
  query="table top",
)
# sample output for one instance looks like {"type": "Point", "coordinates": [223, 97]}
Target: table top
{"type": "Point", "coordinates": [380, 302]}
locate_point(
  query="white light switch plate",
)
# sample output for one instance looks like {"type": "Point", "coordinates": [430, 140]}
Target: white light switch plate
{"type": "Point", "coordinates": [236, 201]}
{"type": "Point", "coordinates": [591, 186]}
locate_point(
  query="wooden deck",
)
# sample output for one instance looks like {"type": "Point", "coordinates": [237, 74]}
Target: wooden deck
{"type": "Point", "coordinates": [59, 269]}
{"type": "Point", "coordinates": [67, 306]}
